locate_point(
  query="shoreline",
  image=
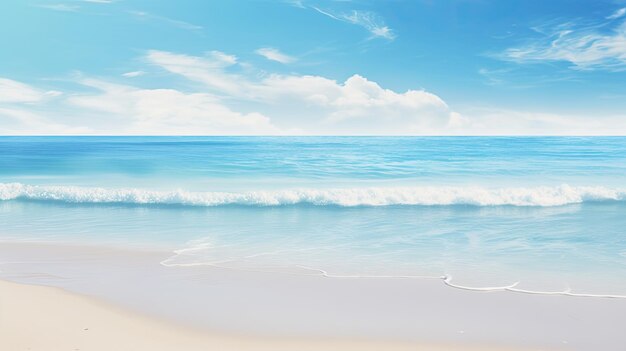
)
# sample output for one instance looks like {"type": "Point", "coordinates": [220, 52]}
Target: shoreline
{"type": "Point", "coordinates": [308, 310]}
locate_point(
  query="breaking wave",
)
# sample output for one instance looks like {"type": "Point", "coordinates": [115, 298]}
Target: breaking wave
{"type": "Point", "coordinates": [380, 196]}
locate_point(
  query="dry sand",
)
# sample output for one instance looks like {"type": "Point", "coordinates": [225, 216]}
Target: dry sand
{"type": "Point", "coordinates": [50, 319]}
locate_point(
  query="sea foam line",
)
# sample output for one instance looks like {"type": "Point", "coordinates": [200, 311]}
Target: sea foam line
{"type": "Point", "coordinates": [373, 196]}
{"type": "Point", "coordinates": [446, 279]}
{"type": "Point", "coordinates": [512, 288]}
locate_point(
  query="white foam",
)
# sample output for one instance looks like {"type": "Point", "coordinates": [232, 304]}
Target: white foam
{"type": "Point", "coordinates": [381, 196]}
{"type": "Point", "coordinates": [446, 279]}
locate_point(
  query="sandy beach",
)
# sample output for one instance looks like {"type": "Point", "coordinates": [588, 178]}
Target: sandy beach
{"type": "Point", "coordinates": [106, 298]}
{"type": "Point", "coordinates": [313, 175]}
{"type": "Point", "coordinates": [45, 318]}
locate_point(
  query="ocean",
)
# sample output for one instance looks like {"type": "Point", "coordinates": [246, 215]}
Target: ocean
{"type": "Point", "coordinates": [525, 214]}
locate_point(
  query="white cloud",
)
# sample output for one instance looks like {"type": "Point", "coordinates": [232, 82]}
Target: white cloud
{"type": "Point", "coordinates": [275, 55]}
{"type": "Point", "coordinates": [316, 104]}
{"type": "Point", "coordinates": [20, 106]}
{"type": "Point", "coordinates": [368, 20]}
{"type": "Point", "coordinates": [20, 121]}
{"type": "Point", "coordinates": [168, 111]}
{"type": "Point", "coordinates": [356, 106]}
{"type": "Point", "coordinates": [383, 32]}
{"type": "Point", "coordinates": [12, 91]}
{"type": "Point", "coordinates": [233, 100]}
{"type": "Point", "coordinates": [617, 14]}
{"type": "Point", "coordinates": [494, 121]}
{"type": "Point", "coordinates": [121, 109]}
{"type": "Point", "coordinates": [100, 1]}
{"type": "Point", "coordinates": [133, 74]}
{"type": "Point", "coordinates": [207, 69]}
{"type": "Point", "coordinates": [222, 59]}
{"type": "Point", "coordinates": [371, 22]}
{"type": "Point", "coordinates": [586, 47]}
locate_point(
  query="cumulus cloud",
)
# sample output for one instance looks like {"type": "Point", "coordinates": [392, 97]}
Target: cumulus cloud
{"type": "Point", "coordinates": [588, 46]}
{"type": "Point", "coordinates": [168, 111]}
{"type": "Point", "coordinates": [355, 106]}
{"type": "Point", "coordinates": [275, 55]}
{"type": "Point", "coordinates": [233, 99]}
{"type": "Point", "coordinates": [316, 104]}
{"type": "Point", "coordinates": [121, 109]}
{"type": "Point", "coordinates": [296, 105]}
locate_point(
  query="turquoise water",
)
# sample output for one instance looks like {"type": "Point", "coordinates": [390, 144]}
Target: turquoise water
{"type": "Point", "coordinates": [545, 213]}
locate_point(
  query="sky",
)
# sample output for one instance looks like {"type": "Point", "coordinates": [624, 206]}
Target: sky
{"type": "Point", "coordinates": [313, 67]}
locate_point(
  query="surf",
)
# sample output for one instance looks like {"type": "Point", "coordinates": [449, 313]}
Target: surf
{"type": "Point", "coordinates": [540, 196]}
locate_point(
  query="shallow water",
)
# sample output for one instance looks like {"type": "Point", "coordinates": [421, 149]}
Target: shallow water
{"type": "Point", "coordinates": [546, 213]}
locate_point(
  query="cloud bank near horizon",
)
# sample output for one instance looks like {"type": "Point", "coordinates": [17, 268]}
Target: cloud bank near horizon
{"type": "Point", "coordinates": [222, 96]}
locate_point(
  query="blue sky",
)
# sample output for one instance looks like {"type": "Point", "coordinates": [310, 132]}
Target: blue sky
{"type": "Point", "coordinates": [414, 67]}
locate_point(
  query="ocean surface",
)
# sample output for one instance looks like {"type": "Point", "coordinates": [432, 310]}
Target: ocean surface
{"type": "Point", "coordinates": [536, 214]}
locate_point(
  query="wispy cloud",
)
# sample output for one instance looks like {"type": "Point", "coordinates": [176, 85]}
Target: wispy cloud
{"type": "Point", "coordinates": [208, 70]}
{"type": "Point", "coordinates": [369, 20]}
{"type": "Point", "coordinates": [121, 109]}
{"type": "Point", "coordinates": [296, 3]}
{"type": "Point", "coordinates": [590, 46]}
{"type": "Point", "coordinates": [492, 76]}
{"type": "Point", "coordinates": [59, 7]}
{"type": "Point", "coordinates": [133, 74]}
{"type": "Point", "coordinates": [12, 91]}
{"type": "Point", "coordinates": [366, 19]}
{"type": "Point", "coordinates": [514, 78]}
{"type": "Point", "coordinates": [178, 23]}
{"type": "Point", "coordinates": [275, 55]}
{"type": "Point", "coordinates": [20, 104]}
{"type": "Point", "coordinates": [617, 14]}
